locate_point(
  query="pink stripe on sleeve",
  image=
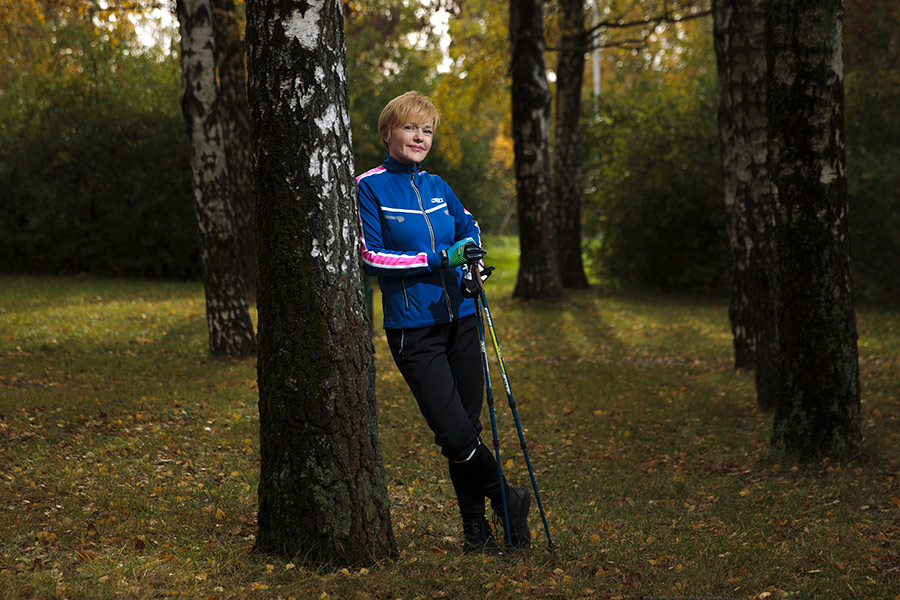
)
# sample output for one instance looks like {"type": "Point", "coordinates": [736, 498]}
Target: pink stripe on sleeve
{"type": "Point", "coordinates": [375, 171]}
{"type": "Point", "coordinates": [386, 260]}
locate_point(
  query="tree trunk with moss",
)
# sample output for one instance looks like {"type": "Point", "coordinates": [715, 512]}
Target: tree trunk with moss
{"type": "Point", "coordinates": [228, 320]}
{"type": "Point", "coordinates": [236, 124]}
{"type": "Point", "coordinates": [322, 490]}
{"type": "Point", "coordinates": [818, 405]}
{"type": "Point", "coordinates": [749, 197]}
{"type": "Point", "coordinates": [538, 275]}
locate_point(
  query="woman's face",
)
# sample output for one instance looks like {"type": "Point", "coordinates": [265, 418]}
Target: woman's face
{"type": "Point", "coordinates": [410, 142]}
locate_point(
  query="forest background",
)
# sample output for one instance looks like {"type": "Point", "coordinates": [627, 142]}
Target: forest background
{"type": "Point", "coordinates": [129, 452]}
{"type": "Point", "coordinates": [94, 160]}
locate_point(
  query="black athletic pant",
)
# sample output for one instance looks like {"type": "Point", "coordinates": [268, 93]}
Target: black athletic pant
{"type": "Point", "coordinates": [442, 366]}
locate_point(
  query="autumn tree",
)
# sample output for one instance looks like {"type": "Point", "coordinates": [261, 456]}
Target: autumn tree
{"type": "Point", "coordinates": [94, 162]}
{"type": "Point", "coordinates": [322, 490]}
{"type": "Point", "coordinates": [227, 317]}
{"type": "Point", "coordinates": [739, 30]}
{"type": "Point", "coordinates": [567, 150]}
{"type": "Point", "coordinates": [538, 275]}
{"type": "Point", "coordinates": [818, 403]}
{"type": "Point", "coordinates": [474, 146]}
{"type": "Point", "coordinates": [628, 25]}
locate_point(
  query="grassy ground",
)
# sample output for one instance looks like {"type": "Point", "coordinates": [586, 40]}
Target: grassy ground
{"type": "Point", "coordinates": [128, 459]}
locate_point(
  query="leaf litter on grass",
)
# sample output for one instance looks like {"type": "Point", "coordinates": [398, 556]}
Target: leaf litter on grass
{"type": "Point", "coordinates": [129, 461]}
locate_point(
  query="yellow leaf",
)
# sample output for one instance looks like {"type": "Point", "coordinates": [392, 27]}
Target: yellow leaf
{"type": "Point", "coordinates": [220, 514]}
{"type": "Point", "coordinates": [509, 464]}
{"type": "Point", "coordinates": [745, 492]}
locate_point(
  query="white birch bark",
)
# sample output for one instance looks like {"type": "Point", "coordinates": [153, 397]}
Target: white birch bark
{"type": "Point", "coordinates": [227, 317]}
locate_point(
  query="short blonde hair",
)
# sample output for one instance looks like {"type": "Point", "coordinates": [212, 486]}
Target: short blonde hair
{"type": "Point", "coordinates": [409, 107]}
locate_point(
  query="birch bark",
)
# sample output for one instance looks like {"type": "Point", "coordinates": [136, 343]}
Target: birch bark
{"type": "Point", "coordinates": [739, 31]}
{"type": "Point", "coordinates": [567, 153]}
{"type": "Point", "coordinates": [322, 489]}
{"type": "Point", "coordinates": [538, 275]}
{"type": "Point", "coordinates": [227, 317]}
{"type": "Point", "coordinates": [818, 404]}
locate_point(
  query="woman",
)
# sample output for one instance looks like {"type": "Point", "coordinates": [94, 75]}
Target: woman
{"type": "Point", "coordinates": [415, 236]}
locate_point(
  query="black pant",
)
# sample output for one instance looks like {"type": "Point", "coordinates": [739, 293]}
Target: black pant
{"type": "Point", "coordinates": [442, 366]}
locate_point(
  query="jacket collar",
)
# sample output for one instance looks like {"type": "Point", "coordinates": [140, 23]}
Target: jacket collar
{"type": "Point", "coordinates": [392, 164]}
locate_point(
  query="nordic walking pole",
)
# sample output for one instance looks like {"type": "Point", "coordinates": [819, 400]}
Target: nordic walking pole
{"type": "Point", "coordinates": [512, 406]}
{"type": "Point", "coordinates": [490, 403]}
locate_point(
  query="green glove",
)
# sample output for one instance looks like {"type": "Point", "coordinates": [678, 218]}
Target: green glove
{"type": "Point", "coordinates": [462, 252]}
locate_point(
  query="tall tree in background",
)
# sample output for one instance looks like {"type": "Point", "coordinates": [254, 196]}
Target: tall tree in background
{"type": "Point", "coordinates": [739, 31]}
{"type": "Point", "coordinates": [227, 317]}
{"type": "Point", "coordinates": [818, 405]}
{"type": "Point", "coordinates": [538, 275]}
{"type": "Point", "coordinates": [322, 489]}
{"type": "Point", "coordinates": [567, 151]}
{"type": "Point", "coordinates": [236, 128]}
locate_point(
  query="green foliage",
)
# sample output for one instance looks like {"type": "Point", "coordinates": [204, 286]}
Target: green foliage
{"type": "Point", "coordinates": [130, 463]}
{"type": "Point", "coordinates": [872, 89]}
{"type": "Point", "coordinates": [94, 163]}
{"type": "Point", "coordinates": [383, 63]}
{"type": "Point", "coordinates": [654, 216]}
{"type": "Point", "coordinates": [391, 49]}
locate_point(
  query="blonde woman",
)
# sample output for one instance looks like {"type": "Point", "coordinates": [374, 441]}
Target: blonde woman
{"type": "Point", "coordinates": [415, 236]}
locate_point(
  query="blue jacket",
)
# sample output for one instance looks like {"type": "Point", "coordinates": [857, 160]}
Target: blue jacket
{"type": "Point", "coordinates": [407, 216]}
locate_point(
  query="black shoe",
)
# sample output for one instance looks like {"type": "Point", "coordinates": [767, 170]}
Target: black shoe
{"type": "Point", "coordinates": [518, 501]}
{"type": "Point", "coordinates": [479, 537]}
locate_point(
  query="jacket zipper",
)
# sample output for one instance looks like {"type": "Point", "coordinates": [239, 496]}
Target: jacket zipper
{"type": "Point", "coordinates": [412, 182]}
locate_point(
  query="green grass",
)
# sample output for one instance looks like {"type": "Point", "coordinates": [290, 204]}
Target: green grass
{"type": "Point", "coordinates": [129, 458]}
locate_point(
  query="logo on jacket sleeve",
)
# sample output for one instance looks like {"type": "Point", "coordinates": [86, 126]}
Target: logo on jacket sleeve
{"type": "Point", "coordinates": [437, 200]}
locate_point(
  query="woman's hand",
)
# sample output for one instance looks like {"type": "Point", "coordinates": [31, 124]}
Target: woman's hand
{"type": "Point", "coordinates": [461, 253]}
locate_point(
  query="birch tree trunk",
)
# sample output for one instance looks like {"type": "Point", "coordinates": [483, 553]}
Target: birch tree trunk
{"type": "Point", "coordinates": [538, 275]}
{"type": "Point", "coordinates": [236, 125]}
{"type": "Point", "coordinates": [322, 489]}
{"type": "Point", "coordinates": [567, 153]}
{"type": "Point", "coordinates": [818, 406]}
{"type": "Point", "coordinates": [227, 317]}
{"type": "Point", "coordinates": [739, 31]}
